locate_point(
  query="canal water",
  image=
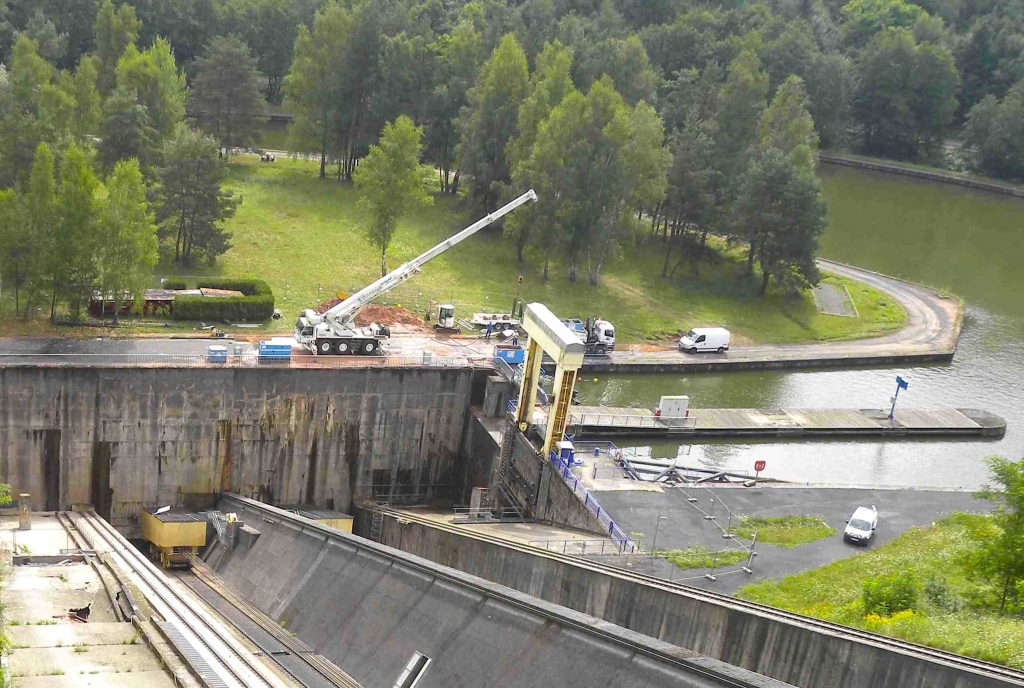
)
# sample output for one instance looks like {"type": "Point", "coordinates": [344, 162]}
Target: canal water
{"type": "Point", "coordinates": [970, 242]}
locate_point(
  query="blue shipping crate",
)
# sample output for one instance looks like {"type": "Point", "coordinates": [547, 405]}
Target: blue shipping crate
{"type": "Point", "coordinates": [513, 355]}
{"type": "Point", "coordinates": [215, 353]}
{"type": "Point", "coordinates": [275, 351]}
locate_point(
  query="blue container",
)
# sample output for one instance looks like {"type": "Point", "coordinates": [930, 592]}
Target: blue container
{"type": "Point", "coordinates": [215, 353]}
{"type": "Point", "coordinates": [274, 351]}
{"type": "Point", "coordinates": [513, 355]}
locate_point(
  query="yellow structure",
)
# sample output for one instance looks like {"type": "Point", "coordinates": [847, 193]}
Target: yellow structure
{"type": "Point", "coordinates": [172, 533]}
{"type": "Point", "coordinates": [328, 517]}
{"type": "Point", "coordinates": [548, 335]}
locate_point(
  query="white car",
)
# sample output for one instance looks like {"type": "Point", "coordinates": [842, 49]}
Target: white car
{"type": "Point", "coordinates": [705, 339]}
{"type": "Point", "coordinates": [861, 526]}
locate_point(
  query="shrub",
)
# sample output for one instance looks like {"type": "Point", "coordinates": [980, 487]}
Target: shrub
{"type": "Point", "coordinates": [256, 304]}
{"type": "Point", "coordinates": [175, 283]}
{"type": "Point", "coordinates": [937, 591]}
{"type": "Point", "coordinates": [889, 594]}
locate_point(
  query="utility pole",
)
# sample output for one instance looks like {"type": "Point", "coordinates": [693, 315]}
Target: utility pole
{"type": "Point", "coordinates": [654, 541]}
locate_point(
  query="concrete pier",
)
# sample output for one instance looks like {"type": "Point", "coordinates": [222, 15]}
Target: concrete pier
{"type": "Point", "coordinates": [805, 423]}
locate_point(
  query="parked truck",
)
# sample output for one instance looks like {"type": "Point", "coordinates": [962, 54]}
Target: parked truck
{"type": "Point", "coordinates": [598, 336]}
{"type": "Point", "coordinates": [335, 331]}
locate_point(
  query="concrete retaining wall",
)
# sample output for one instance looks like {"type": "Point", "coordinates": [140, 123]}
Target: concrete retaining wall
{"type": "Point", "coordinates": [931, 175]}
{"type": "Point", "coordinates": [786, 651]}
{"type": "Point", "coordinates": [368, 608]}
{"type": "Point", "coordinates": [125, 438]}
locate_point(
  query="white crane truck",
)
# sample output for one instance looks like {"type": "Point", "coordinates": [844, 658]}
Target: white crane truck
{"type": "Point", "coordinates": [335, 331]}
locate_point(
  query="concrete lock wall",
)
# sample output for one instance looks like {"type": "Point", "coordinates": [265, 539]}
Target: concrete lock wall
{"type": "Point", "coordinates": [123, 438]}
{"type": "Point", "coordinates": [368, 608]}
{"type": "Point", "coordinates": [780, 649]}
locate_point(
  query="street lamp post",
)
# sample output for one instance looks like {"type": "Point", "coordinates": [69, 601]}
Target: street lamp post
{"type": "Point", "coordinates": [654, 540]}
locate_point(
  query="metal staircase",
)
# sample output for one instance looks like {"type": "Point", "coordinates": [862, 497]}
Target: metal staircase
{"type": "Point", "coordinates": [508, 439]}
{"type": "Point", "coordinates": [377, 521]}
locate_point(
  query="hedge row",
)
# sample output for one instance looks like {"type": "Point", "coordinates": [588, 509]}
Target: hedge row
{"type": "Point", "coordinates": [174, 284]}
{"type": "Point", "coordinates": [256, 305]}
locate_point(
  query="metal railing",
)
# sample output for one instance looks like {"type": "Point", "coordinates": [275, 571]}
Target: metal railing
{"type": "Point", "coordinates": [505, 368]}
{"type": "Point", "coordinates": [465, 514]}
{"type": "Point", "coordinates": [592, 505]}
{"type": "Point", "coordinates": [581, 547]}
{"type": "Point", "coordinates": [633, 420]}
{"type": "Point", "coordinates": [246, 360]}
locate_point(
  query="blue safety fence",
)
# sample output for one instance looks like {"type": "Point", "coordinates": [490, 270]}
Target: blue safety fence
{"type": "Point", "coordinates": [614, 532]}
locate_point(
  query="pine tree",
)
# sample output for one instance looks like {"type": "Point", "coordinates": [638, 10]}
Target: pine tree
{"type": "Point", "coordinates": [192, 203]}
{"type": "Point", "coordinates": [225, 93]}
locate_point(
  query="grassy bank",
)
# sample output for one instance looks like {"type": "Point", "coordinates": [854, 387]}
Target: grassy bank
{"type": "Point", "coordinates": [700, 557]}
{"type": "Point", "coordinates": [303, 236]}
{"type": "Point", "coordinates": [955, 610]}
{"type": "Point", "coordinates": [784, 531]}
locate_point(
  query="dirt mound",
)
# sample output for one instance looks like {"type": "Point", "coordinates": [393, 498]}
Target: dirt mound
{"type": "Point", "coordinates": [327, 305]}
{"type": "Point", "coordinates": [382, 315]}
{"type": "Point", "coordinates": [389, 315]}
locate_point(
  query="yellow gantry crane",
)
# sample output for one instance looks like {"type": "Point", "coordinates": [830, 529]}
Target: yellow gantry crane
{"type": "Point", "coordinates": [548, 335]}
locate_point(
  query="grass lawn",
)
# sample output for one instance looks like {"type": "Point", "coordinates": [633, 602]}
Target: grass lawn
{"type": "Point", "coordinates": [303, 236]}
{"type": "Point", "coordinates": [784, 531]}
{"type": "Point", "coordinates": [700, 557]}
{"type": "Point", "coordinates": [955, 610]}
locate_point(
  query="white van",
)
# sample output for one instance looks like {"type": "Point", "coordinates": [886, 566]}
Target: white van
{"type": "Point", "coordinates": [705, 339]}
{"type": "Point", "coordinates": [861, 526]}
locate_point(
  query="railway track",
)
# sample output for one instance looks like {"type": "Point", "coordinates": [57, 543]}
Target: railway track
{"type": "Point", "coordinates": [213, 652]}
{"type": "Point", "coordinates": [698, 665]}
{"type": "Point", "coordinates": [328, 671]}
{"type": "Point", "coordinates": [1010, 676]}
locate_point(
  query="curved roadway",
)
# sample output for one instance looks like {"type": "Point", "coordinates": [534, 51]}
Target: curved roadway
{"type": "Point", "coordinates": [931, 332]}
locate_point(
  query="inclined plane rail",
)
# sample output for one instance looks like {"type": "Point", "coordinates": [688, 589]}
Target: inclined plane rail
{"type": "Point", "coordinates": [324, 668]}
{"type": "Point", "coordinates": [700, 594]}
{"type": "Point", "coordinates": [233, 666]}
{"type": "Point", "coordinates": [438, 571]}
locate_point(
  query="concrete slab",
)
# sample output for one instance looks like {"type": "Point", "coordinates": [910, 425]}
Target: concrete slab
{"type": "Point", "coordinates": [47, 536]}
{"type": "Point", "coordinates": [39, 661]}
{"type": "Point", "coordinates": [69, 635]}
{"type": "Point", "coordinates": [684, 526]}
{"type": "Point", "coordinates": [148, 679]}
{"type": "Point", "coordinates": [46, 593]}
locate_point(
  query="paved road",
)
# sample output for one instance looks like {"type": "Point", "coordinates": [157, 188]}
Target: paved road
{"type": "Point", "coordinates": [684, 526]}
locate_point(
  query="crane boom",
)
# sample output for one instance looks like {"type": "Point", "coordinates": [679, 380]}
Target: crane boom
{"type": "Point", "coordinates": [334, 331]}
{"type": "Point", "coordinates": [346, 311]}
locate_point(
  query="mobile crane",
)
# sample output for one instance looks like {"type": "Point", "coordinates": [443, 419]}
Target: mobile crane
{"type": "Point", "coordinates": [335, 331]}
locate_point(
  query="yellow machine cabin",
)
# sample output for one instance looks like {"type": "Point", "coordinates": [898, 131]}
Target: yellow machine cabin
{"type": "Point", "coordinates": [328, 517]}
{"type": "Point", "coordinates": [173, 533]}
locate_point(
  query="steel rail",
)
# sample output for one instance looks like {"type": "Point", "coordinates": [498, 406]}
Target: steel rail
{"type": "Point", "coordinates": [326, 669]}
{"type": "Point", "coordinates": [437, 570]}
{"type": "Point", "coordinates": [211, 641]}
{"type": "Point", "coordinates": [700, 594]}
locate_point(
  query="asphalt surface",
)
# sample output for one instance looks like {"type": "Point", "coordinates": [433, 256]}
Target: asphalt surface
{"type": "Point", "coordinates": [683, 526]}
